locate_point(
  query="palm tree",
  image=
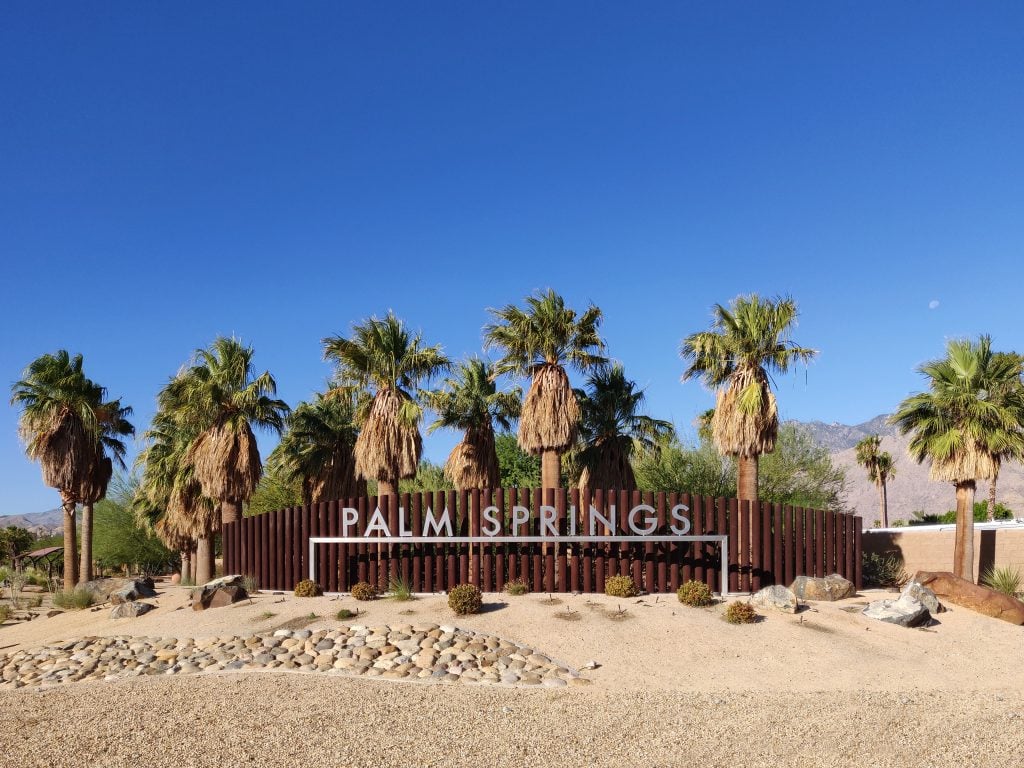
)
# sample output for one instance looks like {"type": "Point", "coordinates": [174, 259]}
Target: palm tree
{"type": "Point", "coordinates": [383, 364]}
{"type": "Point", "coordinates": [540, 342]}
{"type": "Point", "coordinates": [746, 342]}
{"type": "Point", "coordinates": [881, 468]}
{"type": "Point", "coordinates": [966, 424]}
{"type": "Point", "coordinates": [221, 400]}
{"type": "Point", "coordinates": [61, 429]}
{"type": "Point", "coordinates": [1012, 383]}
{"type": "Point", "coordinates": [171, 498]}
{"type": "Point", "coordinates": [317, 450]}
{"type": "Point", "coordinates": [114, 425]}
{"type": "Point", "coordinates": [470, 401]}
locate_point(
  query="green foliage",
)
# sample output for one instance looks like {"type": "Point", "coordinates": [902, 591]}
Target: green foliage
{"type": "Point", "coordinates": [695, 593]}
{"type": "Point", "coordinates": [399, 589]}
{"type": "Point", "coordinates": [120, 541]}
{"type": "Point", "coordinates": [699, 470]}
{"type": "Point", "coordinates": [518, 469]}
{"type": "Point", "coordinates": [76, 599]}
{"type": "Point", "coordinates": [620, 586]}
{"type": "Point", "coordinates": [1006, 580]}
{"type": "Point", "coordinates": [250, 584]}
{"type": "Point", "coordinates": [14, 541]}
{"type": "Point", "coordinates": [363, 591]}
{"type": "Point", "coordinates": [5, 613]}
{"type": "Point", "coordinates": [898, 524]}
{"type": "Point", "coordinates": [429, 477]}
{"type": "Point", "coordinates": [465, 599]}
{"type": "Point", "coordinates": [883, 571]}
{"type": "Point", "coordinates": [274, 491]}
{"type": "Point", "coordinates": [344, 614]}
{"type": "Point", "coordinates": [800, 472]}
{"type": "Point", "coordinates": [308, 588]}
{"type": "Point", "coordinates": [1002, 512]}
{"type": "Point", "coordinates": [740, 613]}
{"type": "Point", "coordinates": [517, 587]}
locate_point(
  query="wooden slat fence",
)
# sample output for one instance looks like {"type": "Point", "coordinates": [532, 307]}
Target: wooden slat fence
{"type": "Point", "coordinates": [768, 544]}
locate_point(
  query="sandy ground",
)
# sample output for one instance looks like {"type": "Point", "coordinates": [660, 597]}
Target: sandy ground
{"type": "Point", "coordinates": [676, 686]}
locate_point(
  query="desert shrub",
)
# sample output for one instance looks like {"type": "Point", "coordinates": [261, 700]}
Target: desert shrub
{"type": "Point", "coordinates": [5, 613]}
{"type": "Point", "coordinates": [308, 588]}
{"type": "Point", "coordinates": [465, 599]}
{"type": "Point", "coordinates": [898, 524]}
{"type": "Point", "coordinates": [1006, 580]}
{"type": "Point", "coordinates": [694, 593]}
{"type": "Point", "coordinates": [76, 599]}
{"type": "Point", "coordinates": [36, 577]}
{"type": "Point", "coordinates": [399, 589]}
{"type": "Point", "coordinates": [740, 613]}
{"type": "Point", "coordinates": [250, 584]}
{"type": "Point", "coordinates": [883, 571]}
{"type": "Point", "coordinates": [620, 586]}
{"type": "Point", "coordinates": [517, 587]}
{"type": "Point", "coordinates": [344, 614]}
{"type": "Point", "coordinates": [363, 591]}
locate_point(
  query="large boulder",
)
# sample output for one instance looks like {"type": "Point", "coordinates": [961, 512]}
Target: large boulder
{"type": "Point", "coordinates": [907, 611]}
{"type": "Point", "coordinates": [100, 589]}
{"type": "Point", "coordinates": [218, 593]}
{"type": "Point", "coordinates": [778, 597]}
{"type": "Point", "coordinates": [132, 589]}
{"type": "Point", "coordinates": [921, 593]}
{"type": "Point", "coordinates": [975, 597]}
{"type": "Point", "coordinates": [829, 588]}
{"type": "Point", "coordinates": [130, 609]}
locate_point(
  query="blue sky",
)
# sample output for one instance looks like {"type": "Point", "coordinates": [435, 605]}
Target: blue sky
{"type": "Point", "coordinates": [278, 171]}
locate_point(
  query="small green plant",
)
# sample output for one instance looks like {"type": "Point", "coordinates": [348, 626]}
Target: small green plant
{"type": "Point", "coordinates": [517, 587]}
{"type": "Point", "coordinates": [883, 571]}
{"type": "Point", "coordinates": [308, 588]}
{"type": "Point", "coordinates": [266, 615]}
{"type": "Point", "coordinates": [740, 613]}
{"type": "Point", "coordinates": [313, 615]}
{"type": "Point", "coordinates": [620, 586]}
{"type": "Point", "coordinates": [400, 589]}
{"type": "Point", "coordinates": [898, 524]}
{"type": "Point", "coordinates": [35, 602]}
{"type": "Point", "coordinates": [344, 614]}
{"type": "Point", "coordinates": [5, 613]}
{"type": "Point", "coordinates": [1006, 580]}
{"type": "Point", "coordinates": [465, 599]}
{"type": "Point", "coordinates": [76, 599]}
{"type": "Point", "coordinates": [363, 591]}
{"type": "Point", "coordinates": [695, 594]}
{"type": "Point", "coordinates": [250, 584]}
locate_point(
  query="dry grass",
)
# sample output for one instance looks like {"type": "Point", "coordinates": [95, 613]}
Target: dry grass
{"type": "Point", "coordinates": [746, 418]}
{"type": "Point", "coordinates": [551, 414]}
{"type": "Point", "coordinates": [473, 463]}
{"type": "Point", "coordinates": [389, 444]}
{"type": "Point", "coordinates": [226, 462]}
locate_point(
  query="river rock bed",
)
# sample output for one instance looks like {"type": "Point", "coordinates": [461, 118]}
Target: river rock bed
{"type": "Point", "coordinates": [422, 652]}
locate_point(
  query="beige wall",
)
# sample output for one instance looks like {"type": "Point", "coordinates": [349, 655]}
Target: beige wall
{"type": "Point", "coordinates": [931, 549]}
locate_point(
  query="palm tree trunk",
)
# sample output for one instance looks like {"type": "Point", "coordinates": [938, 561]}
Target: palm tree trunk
{"type": "Point", "coordinates": [992, 498]}
{"type": "Point", "coordinates": [70, 546]}
{"type": "Point", "coordinates": [883, 505]}
{"type": "Point", "coordinates": [230, 511]}
{"type": "Point", "coordinates": [963, 552]}
{"type": "Point", "coordinates": [186, 565]}
{"type": "Point", "coordinates": [204, 559]}
{"type": "Point", "coordinates": [386, 488]}
{"type": "Point", "coordinates": [746, 485]}
{"type": "Point", "coordinates": [193, 565]}
{"type": "Point", "coordinates": [85, 569]}
{"type": "Point", "coordinates": [550, 469]}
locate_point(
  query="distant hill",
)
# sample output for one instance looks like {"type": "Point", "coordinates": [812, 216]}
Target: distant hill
{"type": "Point", "coordinates": [38, 523]}
{"type": "Point", "coordinates": [910, 489]}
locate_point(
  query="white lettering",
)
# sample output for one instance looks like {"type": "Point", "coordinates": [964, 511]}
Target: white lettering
{"type": "Point", "coordinates": [650, 520]}
{"type": "Point", "coordinates": [548, 516]}
{"type": "Point", "coordinates": [519, 516]}
{"type": "Point", "coordinates": [444, 521]}
{"type": "Point", "coordinates": [349, 517]}
{"type": "Point", "coordinates": [677, 514]}
{"type": "Point", "coordinates": [572, 521]}
{"type": "Point", "coordinates": [378, 523]}
{"type": "Point", "coordinates": [609, 522]}
{"type": "Point", "coordinates": [490, 517]}
{"type": "Point", "coordinates": [402, 530]}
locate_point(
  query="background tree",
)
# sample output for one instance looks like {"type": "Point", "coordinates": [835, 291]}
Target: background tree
{"type": "Point", "coordinates": [318, 450]}
{"type": "Point", "coordinates": [471, 401]}
{"type": "Point", "coordinates": [382, 360]}
{"type": "Point", "coordinates": [221, 400]}
{"type": "Point", "coordinates": [60, 426]}
{"type": "Point", "coordinates": [516, 468]}
{"type": "Point", "coordinates": [880, 468]}
{"type": "Point", "coordinates": [968, 421]}
{"type": "Point", "coordinates": [124, 541]}
{"type": "Point", "coordinates": [746, 342]}
{"type": "Point", "coordinates": [612, 429]}
{"type": "Point", "coordinates": [540, 342]}
{"type": "Point", "coordinates": [799, 472]}
{"type": "Point", "coordinates": [1011, 383]}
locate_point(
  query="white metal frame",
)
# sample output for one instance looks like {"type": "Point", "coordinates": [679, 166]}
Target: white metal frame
{"type": "Point", "coordinates": [722, 539]}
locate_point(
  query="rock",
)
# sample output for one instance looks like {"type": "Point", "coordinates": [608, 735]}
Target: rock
{"type": "Point", "coordinates": [100, 589]}
{"type": "Point", "coordinates": [907, 611]}
{"type": "Point", "coordinates": [966, 594]}
{"type": "Point", "coordinates": [217, 595]}
{"type": "Point", "coordinates": [130, 610]}
{"type": "Point", "coordinates": [224, 581]}
{"type": "Point", "coordinates": [829, 588]}
{"type": "Point", "coordinates": [920, 592]}
{"type": "Point", "coordinates": [778, 597]}
{"type": "Point", "coordinates": [132, 589]}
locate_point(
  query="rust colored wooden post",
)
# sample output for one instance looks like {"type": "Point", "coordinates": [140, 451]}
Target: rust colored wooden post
{"type": "Point", "coordinates": [561, 575]}
{"type": "Point", "coordinates": [785, 570]}
{"type": "Point", "coordinates": [599, 550]}
{"type": "Point", "coordinates": [696, 557]}
{"type": "Point", "coordinates": [734, 545]}
{"type": "Point", "coordinates": [800, 541]}
{"type": "Point", "coordinates": [415, 513]}
{"type": "Point", "coordinates": [757, 547]}
{"type": "Point", "coordinates": [452, 563]}
{"type": "Point", "coordinates": [661, 550]}
{"type": "Point", "coordinates": [722, 529]}
{"type": "Point", "coordinates": [440, 550]}
{"type": "Point", "coordinates": [271, 541]}
{"type": "Point", "coordinates": [463, 530]}
{"type": "Point", "coordinates": [779, 531]}
{"type": "Point", "coordinates": [295, 565]}
{"type": "Point", "coordinates": [250, 545]}
{"type": "Point", "coordinates": [819, 542]}
{"type": "Point", "coordinates": [626, 552]}
{"type": "Point", "coordinates": [650, 565]}
{"type": "Point", "coordinates": [830, 542]}
{"type": "Point", "coordinates": [637, 552]}
{"type": "Point", "coordinates": [332, 554]}
{"type": "Point", "coordinates": [851, 549]}
{"type": "Point", "coordinates": [574, 551]}
{"type": "Point", "coordinates": [475, 553]}
{"type": "Point", "coordinates": [500, 550]}
{"type": "Point", "coordinates": [586, 550]}
{"type": "Point", "coordinates": [675, 549]}
{"type": "Point", "coordinates": [487, 550]}
{"type": "Point", "coordinates": [286, 549]}
{"type": "Point", "coordinates": [685, 552]}
{"type": "Point", "coordinates": [858, 548]}
{"type": "Point", "coordinates": [538, 550]}
{"type": "Point", "coordinates": [321, 549]}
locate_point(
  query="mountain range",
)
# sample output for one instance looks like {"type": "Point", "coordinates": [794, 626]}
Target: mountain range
{"type": "Point", "coordinates": [37, 523]}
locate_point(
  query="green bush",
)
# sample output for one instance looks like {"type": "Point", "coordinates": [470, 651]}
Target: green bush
{"type": "Point", "coordinates": [363, 591]}
{"type": "Point", "coordinates": [465, 599]}
{"type": "Point", "coordinates": [695, 593]}
{"type": "Point", "coordinates": [308, 588]}
{"type": "Point", "coordinates": [740, 613]}
{"type": "Point", "coordinates": [883, 571]}
{"type": "Point", "coordinates": [620, 586]}
{"type": "Point", "coordinates": [250, 584]}
{"type": "Point", "coordinates": [5, 613]}
{"type": "Point", "coordinates": [1006, 580]}
{"type": "Point", "coordinates": [76, 599]}
{"type": "Point", "coordinates": [344, 614]}
{"type": "Point", "coordinates": [399, 589]}
{"type": "Point", "coordinates": [1002, 512]}
{"type": "Point", "coordinates": [517, 587]}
